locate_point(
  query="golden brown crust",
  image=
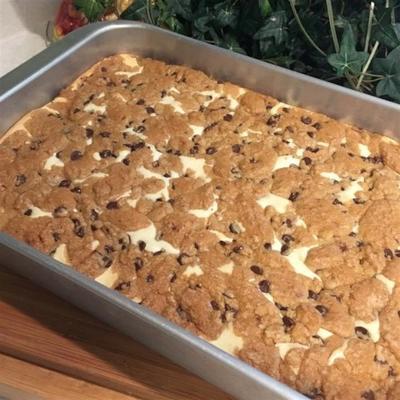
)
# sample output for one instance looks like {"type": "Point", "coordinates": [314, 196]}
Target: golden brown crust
{"type": "Point", "coordinates": [269, 230]}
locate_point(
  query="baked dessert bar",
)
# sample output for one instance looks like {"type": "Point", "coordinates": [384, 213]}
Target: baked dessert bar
{"type": "Point", "coordinates": [269, 230]}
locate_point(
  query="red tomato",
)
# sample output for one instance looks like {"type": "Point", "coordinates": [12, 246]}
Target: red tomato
{"type": "Point", "coordinates": [68, 18]}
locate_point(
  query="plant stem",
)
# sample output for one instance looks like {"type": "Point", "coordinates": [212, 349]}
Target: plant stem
{"type": "Point", "coordinates": [301, 26]}
{"type": "Point", "coordinates": [367, 64]}
{"type": "Point", "coordinates": [332, 25]}
{"type": "Point", "coordinates": [148, 11]}
{"type": "Point", "coordinates": [369, 27]}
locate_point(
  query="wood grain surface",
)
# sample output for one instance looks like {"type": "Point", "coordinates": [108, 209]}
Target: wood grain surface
{"type": "Point", "coordinates": [41, 329]}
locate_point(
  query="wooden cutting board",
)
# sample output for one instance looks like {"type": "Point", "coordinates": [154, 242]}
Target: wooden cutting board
{"type": "Point", "coordinates": [39, 329]}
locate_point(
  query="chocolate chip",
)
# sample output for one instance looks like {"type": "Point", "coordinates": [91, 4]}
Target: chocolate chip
{"type": "Point", "coordinates": [306, 120]}
{"type": "Point", "coordinates": [238, 249]}
{"type": "Point", "coordinates": [388, 253]}
{"type": "Point", "coordinates": [60, 211]}
{"type": "Point", "coordinates": [230, 309]}
{"type": "Point", "coordinates": [317, 126]}
{"type": "Point", "coordinates": [140, 102]}
{"type": "Point", "coordinates": [20, 180]}
{"type": "Point", "coordinates": [235, 228]}
{"type": "Point", "coordinates": [150, 278]}
{"type": "Point", "coordinates": [236, 148]}
{"type": "Point", "coordinates": [142, 245]}
{"type": "Point", "coordinates": [228, 117]}
{"type": "Point", "coordinates": [105, 134]}
{"type": "Point", "coordinates": [256, 269]}
{"type": "Point", "coordinates": [337, 202]}
{"type": "Point", "coordinates": [311, 134]}
{"type": "Point", "coordinates": [35, 144]}
{"type": "Point", "coordinates": [105, 153]}
{"type": "Point", "coordinates": [76, 189]}
{"type": "Point", "coordinates": [56, 236]}
{"type": "Point", "coordinates": [123, 286]}
{"type": "Point", "coordinates": [126, 161]}
{"type": "Point", "coordinates": [321, 309]}
{"type": "Point", "coordinates": [312, 150]}
{"type": "Point", "coordinates": [108, 248]}
{"type": "Point", "coordinates": [79, 231]}
{"type": "Point", "coordinates": [307, 160]}
{"type": "Point", "coordinates": [313, 295]}
{"type": "Point", "coordinates": [343, 247]}
{"type": "Point", "coordinates": [76, 155]}
{"type": "Point", "coordinates": [281, 307]}
{"type": "Point", "coordinates": [140, 129]}
{"type": "Point", "coordinates": [173, 277]}
{"type": "Point", "coordinates": [89, 133]}
{"type": "Point", "coordinates": [138, 263]}
{"type": "Point", "coordinates": [273, 120]}
{"type": "Point", "coordinates": [222, 243]}
{"type": "Point", "coordinates": [28, 212]}
{"type": "Point", "coordinates": [285, 249]}
{"type": "Point", "coordinates": [368, 395]}
{"type": "Point", "coordinates": [293, 196]}
{"type": "Point", "coordinates": [358, 201]}
{"type": "Point", "coordinates": [264, 286]}
{"type": "Point", "coordinates": [134, 146]}
{"type": "Point", "coordinates": [267, 246]}
{"type": "Point", "coordinates": [65, 183]}
{"type": "Point", "coordinates": [183, 314]}
{"type": "Point", "coordinates": [112, 205]}
{"type": "Point", "coordinates": [194, 149]}
{"type": "Point", "coordinates": [150, 110]}
{"type": "Point", "coordinates": [288, 322]}
{"type": "Point", "coordinates": [181, 258]}
{"type": "Point", "coordinates": [352, 234]}
{"type": "Point", "coordinates": [94, 215]}
{"type": "Point", "coordinates": [107, 262]}
{"type": "Point", "coordinates": [397, 253]}
{"type": "Point", "coordinates": [287, 238]}
{"type": "Point", "coordinates": [214, 305]}
{"type": "Point", "coordinates": [361, 332]}
{"type": "Point", "coordinates": [211, 150]}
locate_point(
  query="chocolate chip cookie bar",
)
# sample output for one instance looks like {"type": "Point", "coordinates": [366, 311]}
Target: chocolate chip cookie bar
{"type": "Point", "coordinates": [271, 231]}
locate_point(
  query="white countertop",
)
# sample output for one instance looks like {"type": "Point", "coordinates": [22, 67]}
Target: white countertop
{"type": "Point", "coordinates": [23, 30]}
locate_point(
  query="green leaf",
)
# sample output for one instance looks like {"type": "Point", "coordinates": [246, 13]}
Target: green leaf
{"type": "Point", "coordinates": [348, 60]}
{"type": "Point", "coordinates": [388, 35]}
{"type": "Point", "coordinates": [389, 67]}
{"type": "Point", "coordinates": [93, 9]}
{"type": "Point", "coordinates": [225, 14]}
{"type": "Point", "coordinates": [136, 11]}
{"type": "Point", "coordinates": [201, 23]}
{"type": "Point", "coordinates": [182, 8]}
{"type": "Point", "coordinates": [265, 7]}
{"type": "Point", "coordinates": [232, 44]}
{"type": "Point", "coordinates": [274, 27]}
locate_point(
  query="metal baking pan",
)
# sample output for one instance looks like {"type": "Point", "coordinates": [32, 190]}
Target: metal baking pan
{"type": "Point", "coordinates": [40, 79]}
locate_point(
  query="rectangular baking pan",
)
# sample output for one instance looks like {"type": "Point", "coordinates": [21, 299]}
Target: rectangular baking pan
{"type": "Point", "coordinates": [40, 79]}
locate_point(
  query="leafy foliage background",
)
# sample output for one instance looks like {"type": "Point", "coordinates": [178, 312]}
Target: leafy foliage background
{"type": "Point", "coordinates": [355, 43]}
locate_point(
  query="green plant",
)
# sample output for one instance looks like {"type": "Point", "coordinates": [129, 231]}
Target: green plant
{"type": "Point", "coordinates": [354, 43]}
